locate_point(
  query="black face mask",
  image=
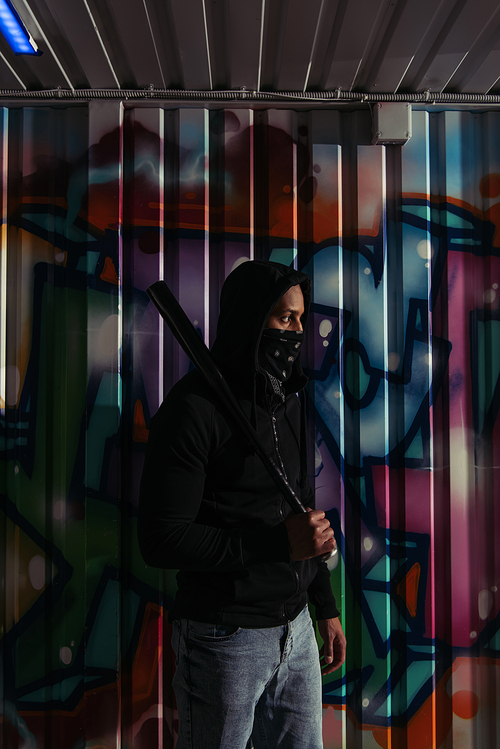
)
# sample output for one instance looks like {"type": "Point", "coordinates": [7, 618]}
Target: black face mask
{"type": "Point", "coordinates": [278, 350]}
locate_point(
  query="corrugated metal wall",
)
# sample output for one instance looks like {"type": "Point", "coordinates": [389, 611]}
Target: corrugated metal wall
{"type": "Point", "coordinates": [403, 246]}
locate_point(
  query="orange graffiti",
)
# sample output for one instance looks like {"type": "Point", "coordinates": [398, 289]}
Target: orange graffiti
{"type": "Point", "coordinates": [408, 589]}
{"type": "Point", "coordinates": [489, 185]}
{"type": "Point", "coordinates": [109, 271]}
{"type": "Point", "coordinates": [465, 704]}
{"type": "Point", "coordinates": [140, 432]}
{"type": "Point", "coordinates": [423, 731]}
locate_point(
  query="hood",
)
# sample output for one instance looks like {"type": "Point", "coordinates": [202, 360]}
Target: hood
{"type": "Point", "coordinates": [248, 296]}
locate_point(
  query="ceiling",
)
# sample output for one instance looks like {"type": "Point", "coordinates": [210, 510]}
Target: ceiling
{"type": "Point", "coordinates": [344, 46]}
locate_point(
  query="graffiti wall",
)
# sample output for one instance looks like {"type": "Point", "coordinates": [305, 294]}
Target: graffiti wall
{"type": "Point", "coordinates": [403, 357]}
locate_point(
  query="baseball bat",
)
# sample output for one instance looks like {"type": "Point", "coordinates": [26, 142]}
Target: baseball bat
{"type": "Point", "coordinates": [185, 333]}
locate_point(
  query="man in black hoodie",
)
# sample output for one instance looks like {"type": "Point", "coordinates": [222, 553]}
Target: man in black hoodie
{"type": "Point", "coordinates": [246, 660]}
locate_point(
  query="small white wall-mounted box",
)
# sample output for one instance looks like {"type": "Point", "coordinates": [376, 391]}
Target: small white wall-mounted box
{"type": "Point", "coordinates": [391, 123]}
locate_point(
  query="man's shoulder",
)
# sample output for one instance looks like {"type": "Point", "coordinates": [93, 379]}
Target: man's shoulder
{"type": "Point", "coordinates": [191, 394]}
{"type": "Point", "coordinates": [190, 388]}
{"type": "Point", "coordinates": [193, 383]}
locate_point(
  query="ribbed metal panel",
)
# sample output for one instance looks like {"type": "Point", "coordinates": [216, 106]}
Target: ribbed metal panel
{"type": "Point", "coordinates": [403, 247]}
{"type": "Point", "coordinates": [372, 46]}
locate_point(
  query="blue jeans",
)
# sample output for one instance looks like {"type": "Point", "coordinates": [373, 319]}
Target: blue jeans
{"type": "Point", "coordinates": [232, 684]}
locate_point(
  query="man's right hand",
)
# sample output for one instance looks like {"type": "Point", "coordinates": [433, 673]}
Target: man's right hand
{"type": "Point", "coordinates": [309, 535]}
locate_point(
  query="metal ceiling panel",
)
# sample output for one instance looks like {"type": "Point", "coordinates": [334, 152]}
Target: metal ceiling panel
{"type": "Point", "coordinates": [455, 41]}
{"type": "Point", "coordinates": [372, 46]}
{"type": "Point", "coordinates": [108, 34]}
{"type": "Point", "coordinates": [396, 48]}
{"type": "Point", "coordinates": [358, 22]}
{"type": "Point", "coordinates": [218, 41]}
{"type": "Point", "coordinates": [383, 30]}
{"type": "Point", "coordinates": [479, 69]}
{"type": "Point", "coordinates": [133, 26]}
{"type": "Point", "coordinates": [8, 78]}
{"type": "Point", "coordinates": [432, 37]}
{"type": "Point", "coordinates": [298, 43]}
{"type": "Point", "coordinates": [77, 34]}
{"type": "Point", "coordinates": [58, 65]}
{"type": "Point", "coordinates": [191, 37]}
{"type": "Point", "coordinates": [487, 76]}
{"type": "Point", "coordinates": [14, 73]}
{"type": "Point", "coordinates": [327, 36]}
{"type": "Point", "coordinates": [272, 42]}
{"type": "Point", "coordinates": [245, 24]}
{"type": "Point", "coordinates": [164, 38]}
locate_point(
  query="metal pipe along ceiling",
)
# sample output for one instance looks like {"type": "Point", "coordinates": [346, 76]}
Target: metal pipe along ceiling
{"type": "Point", "coordinates": [337, 96]}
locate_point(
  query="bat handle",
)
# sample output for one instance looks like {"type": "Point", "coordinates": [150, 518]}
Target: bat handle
{"type": "Point", "coordinates": [329, 555]}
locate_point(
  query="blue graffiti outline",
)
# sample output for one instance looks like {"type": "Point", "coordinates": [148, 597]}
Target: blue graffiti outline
{"type": "Point", "coordinates": [441, 654]}
{"type": "Point", "coordinates": [481, 231]}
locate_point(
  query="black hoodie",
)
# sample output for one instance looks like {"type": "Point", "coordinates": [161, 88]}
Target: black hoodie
{"type": "Point", "coordinates": [207, 505]}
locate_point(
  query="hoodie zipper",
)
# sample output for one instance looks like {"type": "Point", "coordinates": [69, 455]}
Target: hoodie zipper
{"type": "Point", "coordinates": [280, 459]}
{"type": "Point", "coordinates": [281, 464]}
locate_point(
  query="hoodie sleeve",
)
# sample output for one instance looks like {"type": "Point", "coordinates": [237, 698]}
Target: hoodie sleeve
{"type": "Point", "coordinates": [320, 591]}
{"type": "Point", "coordinates": [321, 595]}
{"type": "Point", "coordinates": [171, 536]}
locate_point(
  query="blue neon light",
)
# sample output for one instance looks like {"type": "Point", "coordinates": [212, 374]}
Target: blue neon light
{"type": "Point", "coordinates": [15, 32]}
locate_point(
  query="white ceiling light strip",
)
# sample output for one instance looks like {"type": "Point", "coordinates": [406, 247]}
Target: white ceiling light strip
{"type": "Point", "coordinates": [405, 72]}
{"type": "Point", "coordinates": [101, 42]}
{"type": "Point", "coordinates": [315, 43]}
{"type": "Point", "coordinates": [154, 42]}
{"type": "Point", "coordinates": [47, 44]}
{"type": "Point", "coordinates": [261, 44]}
{"type": "Point", "coordinates": [13, 71]}
{"type": "Point", "coordinates": [208, 45]}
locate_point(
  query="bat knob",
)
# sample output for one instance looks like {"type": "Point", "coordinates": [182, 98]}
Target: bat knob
{"type": "Point", "coordinates": [329, 555]}
{"type": "Point", "coordinates": [331, 559]}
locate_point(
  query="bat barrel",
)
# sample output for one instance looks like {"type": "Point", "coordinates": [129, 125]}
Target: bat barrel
{"type": "Point", "coordinates": [182, 328]}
